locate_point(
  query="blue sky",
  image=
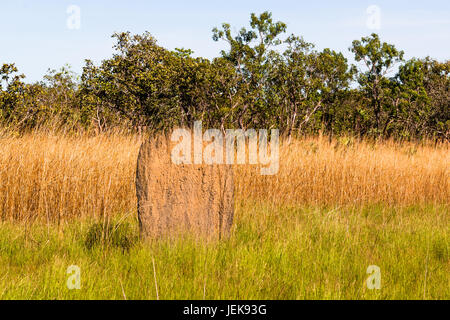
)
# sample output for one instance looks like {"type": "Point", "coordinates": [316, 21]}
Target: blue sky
{"type": "Point", "coordinates": [34, 34]}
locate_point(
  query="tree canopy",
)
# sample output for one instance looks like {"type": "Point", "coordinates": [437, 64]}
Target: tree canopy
{"type": "Point", "coordinates": [265, 78]}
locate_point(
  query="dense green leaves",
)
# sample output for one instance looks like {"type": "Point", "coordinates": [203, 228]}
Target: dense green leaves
{"type": "Point", "coordinates": [264, 79]}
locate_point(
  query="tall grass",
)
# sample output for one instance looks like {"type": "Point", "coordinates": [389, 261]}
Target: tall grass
{"type": "Point", "coordinates": [56, 177]}
{"type": "Point", "coordinates": [311, 231]}
{"type": "Point", "coordinates": [273, 253]}
{"type": "Point", "coordinates": [316, 171]}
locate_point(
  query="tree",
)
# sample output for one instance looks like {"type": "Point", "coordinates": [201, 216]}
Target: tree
{"type": "Point", "coordinates": [136, 81]}
{"type": "Point", "coordinates": [251, 52]}
{"type": "Point", "coordinates": [437, 85]}
{"type": "Point", "coordinates": [155, 87]}
{"type": "Point", "coordinates": [12, 91]}
{"type": "Point", "coordinates": [379, 59]}
{"type": "Point", "coordinates": [263, 79]}
{"type": "Point", "coordinates": [306, 83]}
{"type": "Point", "coordinates": [420, 96]}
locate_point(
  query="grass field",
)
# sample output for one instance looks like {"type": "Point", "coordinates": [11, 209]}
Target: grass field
{"type": "Point", "coordinates": [310, 232]}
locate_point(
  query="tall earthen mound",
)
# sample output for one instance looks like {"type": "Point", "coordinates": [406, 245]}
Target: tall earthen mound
{"type": "Point", "coordinates": [186, 199]}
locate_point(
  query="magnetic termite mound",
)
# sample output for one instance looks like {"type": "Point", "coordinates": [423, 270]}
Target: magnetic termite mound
{"type": "Point", "coordinates": [176, 199]}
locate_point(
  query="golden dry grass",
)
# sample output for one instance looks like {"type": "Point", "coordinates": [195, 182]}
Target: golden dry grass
{"type": "Point", "coordinates": [58, 177]}
{"type": "Point", "coordinates": [55, 177]}
{"type": "Point", "coordinates": [343, 172]}
{"type": "Point", "coordinates": [384, 204]}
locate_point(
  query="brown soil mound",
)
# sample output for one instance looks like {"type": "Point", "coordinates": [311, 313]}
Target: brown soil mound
{"type": "Point", "coordinates": [182, 199]}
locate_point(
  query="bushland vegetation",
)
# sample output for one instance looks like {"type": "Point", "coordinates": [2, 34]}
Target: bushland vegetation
{"type": "Point", "coordinates": [266, 78]}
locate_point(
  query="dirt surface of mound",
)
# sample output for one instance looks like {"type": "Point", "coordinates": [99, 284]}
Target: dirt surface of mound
{"type": "Point", "coordinates": [175, 199]}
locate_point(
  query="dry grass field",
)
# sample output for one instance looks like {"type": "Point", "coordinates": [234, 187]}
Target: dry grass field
{"type": "Point", "coordinates": [55, 177]}
{"type": "Point", "coordinates": [311, 231]}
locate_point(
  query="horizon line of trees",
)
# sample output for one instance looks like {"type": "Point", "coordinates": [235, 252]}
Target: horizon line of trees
{"type": "Point", "coordinates": [263, 80]}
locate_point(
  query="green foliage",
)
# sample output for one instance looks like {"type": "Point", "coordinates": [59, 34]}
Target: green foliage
{"type": "Point", "coordinates": [379, 59]}
{"type": "Point", "coordinates": [12, 93]}
{"type": "Point", "coordinates": [264, 79]}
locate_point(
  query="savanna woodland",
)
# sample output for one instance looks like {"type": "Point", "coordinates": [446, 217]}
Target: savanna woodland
{"type": "Point", "coordinates": [265, 79]}
{"type": "Point", "coordinates": [363, 177]}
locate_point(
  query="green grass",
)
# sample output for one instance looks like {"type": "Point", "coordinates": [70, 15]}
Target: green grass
{"type": "Point", "coordinates": [273, 253]}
